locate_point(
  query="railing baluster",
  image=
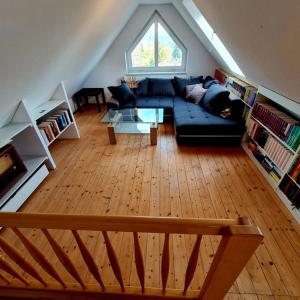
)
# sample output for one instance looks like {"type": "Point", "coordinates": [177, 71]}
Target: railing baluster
{"type": "Point", "coordinates": [16, 256]}
{"type": "Point", "coordinates": [192, 264]}
{"type": "Point", "coordinates": [87, 257]}
{"type": "Point", "coordinates": [4, 279]}
{"type": "Point", "coordinates": [113, 260]}
{"type": "Point", "coordinates": [6, 267]}
{"type": "Point", "coordinates": [139, 261]}
{"type": "Point", "coordinates": [63, 257]}
{"type": "Point", "coordinates": [38, 256]}
{"type": "Point", "coordinates": [165, 262]}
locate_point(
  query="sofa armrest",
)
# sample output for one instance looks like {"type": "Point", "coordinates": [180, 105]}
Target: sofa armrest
{"type": "Point", "coordinates": [112, 103]}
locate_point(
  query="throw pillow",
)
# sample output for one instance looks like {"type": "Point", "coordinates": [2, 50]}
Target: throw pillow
{"type": "Point", "coordinates": [122, 93]}
{"type": "Point", "coordinates": [195, 93]}
{"type": "Point", "coordinates": [189, 88]}
{"type": "Point", "coordinates": [209, 81]}
{"type": "Point", "coordinates": [160, 87]}
{"type": "Point", "coordinates": [142, 89]}
{"type": "Point", "coordinates": [216, 99]}
{"type": "Point", "coordinates": [181, 83]}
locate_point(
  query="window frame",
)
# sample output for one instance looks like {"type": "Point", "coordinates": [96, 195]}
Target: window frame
{"type": "Point", "coordinates": [156, 18]}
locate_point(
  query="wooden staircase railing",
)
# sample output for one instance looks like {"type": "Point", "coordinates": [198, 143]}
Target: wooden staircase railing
{"type": "Point", "coordinates": [239, 240]}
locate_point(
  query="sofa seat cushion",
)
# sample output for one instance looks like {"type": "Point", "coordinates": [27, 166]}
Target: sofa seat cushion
{"type": "Point", "coordinates": [192, 119]}
{"type": "Point", "coordinates": [154, 102]}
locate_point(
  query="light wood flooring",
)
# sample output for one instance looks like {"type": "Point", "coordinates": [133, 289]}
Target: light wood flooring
{"type": "Point", "coordinates": [134, 178]}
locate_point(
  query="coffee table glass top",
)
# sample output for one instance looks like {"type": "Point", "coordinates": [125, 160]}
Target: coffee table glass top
{"type": "Point", "coordinates": [136, 121]}
{"type": "Point", "coordinates": [139, 115]}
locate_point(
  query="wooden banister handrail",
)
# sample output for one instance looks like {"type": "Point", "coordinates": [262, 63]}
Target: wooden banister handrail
{"type": "Point", "coordinates": [239, 239]}
{"type": "Point", "coordinates": [119, 223]}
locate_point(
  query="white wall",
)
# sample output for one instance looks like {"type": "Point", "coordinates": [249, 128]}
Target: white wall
{"type": "Point", "coordinates": [112, 67]}
{"type": "Point", "coordinates": [46, 41]}
{"type": "Point", "coordinates": [263, 36]}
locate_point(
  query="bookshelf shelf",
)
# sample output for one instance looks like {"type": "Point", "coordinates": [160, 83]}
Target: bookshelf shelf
{"type": "Point", "coordinates": [48, 114]}
{"type": "Point", "coordinates": [45, 108]}
{"type": "Point", "coordinates": [274, 135]}
{"type": "Point", "coordinates": [9, 131]}
{"type": "Point", "coordinates": [60, 134]}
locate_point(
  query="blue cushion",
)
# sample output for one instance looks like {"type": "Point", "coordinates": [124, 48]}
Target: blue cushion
{"type": "Point", "coordinates": [122, 93]}
{"type": "Point", "coordinates": [160, 87]}
{"type": "Point", "coordinates": [142, 89]}
{"type": "Point", "coordinates": [181, 83]}
{"type": "Point", "coordinates": [154, 102]}
{"type": "Point", "coordinates": [192, 119]}
{"type": "Point", "coordinates": [216, 99]}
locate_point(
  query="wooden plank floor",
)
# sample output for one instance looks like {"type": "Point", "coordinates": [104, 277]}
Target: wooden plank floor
{"type": "Point", "coordinates": [133, 178]}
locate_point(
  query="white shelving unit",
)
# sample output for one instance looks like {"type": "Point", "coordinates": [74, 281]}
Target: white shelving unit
{"type": "Point", "coordinates": [22, 132]}
{"type": "Point", "coordinates": [265, 94]}
{"type": "Point", "coordinates": [59, 100]}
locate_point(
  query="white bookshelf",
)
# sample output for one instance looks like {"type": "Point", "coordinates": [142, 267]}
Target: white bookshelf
{"type": "Point", "coordinates": [59, 100]}
{"type": "Point", "coordinates": [265, 94]}
{"type": "Point", "coordinates": [23, 133]}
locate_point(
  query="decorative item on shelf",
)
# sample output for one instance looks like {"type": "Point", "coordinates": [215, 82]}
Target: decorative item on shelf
{"type": "Point", "coordinates": [12, 168]}
{"type": "Point", "coordinates": [222, 76]}
{"type": "Point", "coordinates": [131, 82]}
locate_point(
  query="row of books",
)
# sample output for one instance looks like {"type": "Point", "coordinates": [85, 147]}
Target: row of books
{"type": "Point", "coordinates": [284, 126]}
{"type": "Point", "coordinates": [266, 163]}
{"type": "Point", "coordinates": [242, 89]}
{"type": "Point", "coordinates": [291, 190]}
{"type": "Point", "coordinates": [51, 127]}
{"type": "Point", "coordinates": [275, 151]}
{"type": "Point", "coordinates": [278, 153]}
{"type": "Point", "coordinates": [295, 171]}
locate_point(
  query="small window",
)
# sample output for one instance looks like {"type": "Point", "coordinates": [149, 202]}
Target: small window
{"type": "Point", "coordinates": [156, 49]}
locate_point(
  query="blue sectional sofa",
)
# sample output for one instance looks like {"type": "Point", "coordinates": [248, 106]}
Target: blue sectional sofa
{"type": "Point", "coordinates": [193, 123]}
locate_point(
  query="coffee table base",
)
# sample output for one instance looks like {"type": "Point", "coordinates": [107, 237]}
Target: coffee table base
{"type": "Point", "coordinates": [111, 134]}
{"type": "Point", "coordinates": [113, 140]}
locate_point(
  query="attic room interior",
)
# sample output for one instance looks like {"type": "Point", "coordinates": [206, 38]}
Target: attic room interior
{"type": "Point", "coordinates": [150, 149]}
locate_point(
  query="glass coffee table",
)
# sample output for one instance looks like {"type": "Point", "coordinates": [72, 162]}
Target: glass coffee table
{"type": "Point", "coordinates": [133, 121]}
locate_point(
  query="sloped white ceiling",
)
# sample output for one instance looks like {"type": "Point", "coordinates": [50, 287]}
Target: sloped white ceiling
{"type": "Point", "coordinates": [46, 41]}
{"type": "Point", "coordinates": [263, 36]}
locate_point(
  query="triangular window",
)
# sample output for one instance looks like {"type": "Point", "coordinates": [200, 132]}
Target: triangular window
{"type": "Point", "coordinates": [156, 49]}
